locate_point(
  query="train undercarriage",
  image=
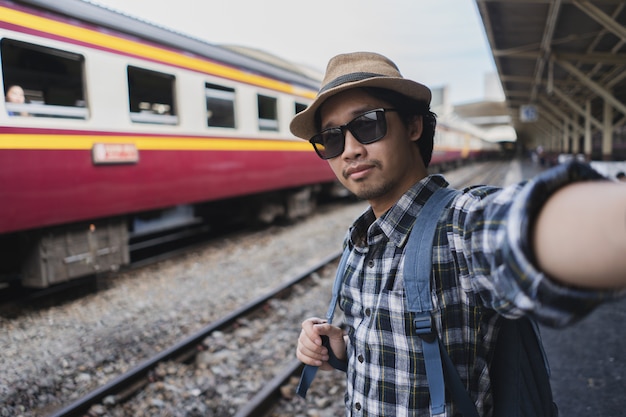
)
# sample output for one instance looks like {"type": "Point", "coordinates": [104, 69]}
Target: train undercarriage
{"type": "Point", "coordinates": [46, 257]}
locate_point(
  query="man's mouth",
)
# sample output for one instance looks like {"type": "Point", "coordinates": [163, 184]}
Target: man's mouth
{"type": "Point", "coordinates": [357, 171]}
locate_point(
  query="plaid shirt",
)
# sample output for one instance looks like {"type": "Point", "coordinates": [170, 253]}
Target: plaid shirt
{"type": "Point", "coordinates": [482, 266]}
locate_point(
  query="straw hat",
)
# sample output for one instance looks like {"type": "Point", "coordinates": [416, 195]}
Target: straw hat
{"type": "Point", "coordinates": [358, 69]}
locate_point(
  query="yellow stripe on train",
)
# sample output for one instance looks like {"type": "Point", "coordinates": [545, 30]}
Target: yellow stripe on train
{"type": "Point", "coordinates": [171, 143]}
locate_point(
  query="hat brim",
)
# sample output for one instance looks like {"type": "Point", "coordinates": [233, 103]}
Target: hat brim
{"type": "Point", "coordinates": [303, 124]}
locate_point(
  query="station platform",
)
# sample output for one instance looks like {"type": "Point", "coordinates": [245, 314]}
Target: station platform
{"type": "Point", "coordinates": [588, 363]}
{"type": "Point", "coordinates": [522, 169]}
{"type": "Point", "coordinates": [525, 168]}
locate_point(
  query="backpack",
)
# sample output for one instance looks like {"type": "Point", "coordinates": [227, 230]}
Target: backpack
{"type": "Point", "coordinates": [519, 369]}
{"type": "Point", "coordinates": [520, 375]}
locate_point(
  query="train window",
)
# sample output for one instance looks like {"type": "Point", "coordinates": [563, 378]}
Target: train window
{"type": "Point", "coordinates": [268, 113]}
{"type": "Point", "coordinates": [151, 96]}
{"type": "Point", "coordinates": [220, 105]}
{"type": "Point", "coordinates": [300, 107]}
{"type": "Point", "coordinates": [52, 80]}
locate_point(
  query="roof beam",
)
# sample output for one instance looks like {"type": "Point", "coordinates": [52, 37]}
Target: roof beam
{"type": "Point", "coordinates": [517, 93]}
{"type": "Point", "coordinates": [544, 102]}
{"type": "Point", "coordinates": [595, 87]}
{"type": "Point", "coordinates": [546, 43]}
{"type": "Point", "coordinates": [594, 58]}
{"type": "Point", "coordinates": [606, 58]}
{"type": "Point", "coordinates": [604, 19]}
{"type": "Point", "coordinates": [516, 79]}
{"type": "Point", "coordinates": [576, 107]}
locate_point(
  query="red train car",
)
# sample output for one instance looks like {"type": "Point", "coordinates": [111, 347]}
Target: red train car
{"type": "Point", "coordinates": [458, 142]}
{"type": "Point", "coordinates": [127, 128]}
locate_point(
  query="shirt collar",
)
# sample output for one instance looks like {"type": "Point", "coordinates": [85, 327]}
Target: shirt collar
{"type": "Point", "coordinates": [396, 223]}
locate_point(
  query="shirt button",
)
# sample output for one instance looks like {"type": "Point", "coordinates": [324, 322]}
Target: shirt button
{"type": "Point", "coordinates": [370, 263]}
{"type": "Point", "coordinates": [357, 406]}
{"type": "Point", "coordinates": [368, 312]}
{"type": "Point", "coordinates": [360, 358]}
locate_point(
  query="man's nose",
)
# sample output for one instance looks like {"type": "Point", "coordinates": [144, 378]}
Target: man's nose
{"type": "Point", "coordinates": [352, 147]}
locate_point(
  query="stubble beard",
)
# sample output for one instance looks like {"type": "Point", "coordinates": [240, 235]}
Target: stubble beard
{"type": "Point", "coordinates": [367, 188]}
{"type": "Point", "coordinates": [372, 192]}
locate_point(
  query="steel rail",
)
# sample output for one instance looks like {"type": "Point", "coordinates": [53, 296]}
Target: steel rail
{"type": "Point", "coordinates": [262, 402]}
{"type": "Point", "coordinates": [132, 377]}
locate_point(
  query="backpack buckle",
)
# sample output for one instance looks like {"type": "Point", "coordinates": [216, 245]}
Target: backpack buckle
{"type": "Point", "coordinates": [424, 328]}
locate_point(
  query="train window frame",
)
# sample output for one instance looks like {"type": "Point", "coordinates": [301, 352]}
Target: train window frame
{"type": "Point", "coordinates": [141, 105]}
{"type": "Point", "coordinates": [267, 113]}
{"type": "Point", "coordinates": [53, 80]}
{"type": "Point", "coordinates": [220, 106]}
{"type": "Point", "coordinates": [299, 107]}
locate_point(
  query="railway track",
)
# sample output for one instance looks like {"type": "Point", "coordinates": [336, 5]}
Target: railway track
{"type": "Point", "coordinates": [127, 384]}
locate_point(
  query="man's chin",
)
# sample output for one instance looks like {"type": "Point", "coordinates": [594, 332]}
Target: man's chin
{"type": "Point", "coordinates": [368, 192]}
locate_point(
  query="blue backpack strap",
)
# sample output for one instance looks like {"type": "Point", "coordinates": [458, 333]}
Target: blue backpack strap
{"type": "Point", "coordinates": [417, 274]}
{"type": "Point", "coordinates": [341, 270]}
{"type": "Point", "coordinates": [309, 371]}
{"type": "Point", "coordinates": [418, 268]}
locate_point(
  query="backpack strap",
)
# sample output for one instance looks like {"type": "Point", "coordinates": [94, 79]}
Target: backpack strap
{"type": "Point", "coordinates": [418, 268]}
{"type": "Point", "coordinates": [309, 371]}
{"type": "Point", "coordinates": [417, 272]}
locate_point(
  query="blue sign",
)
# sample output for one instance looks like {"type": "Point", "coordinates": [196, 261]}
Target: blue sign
{"type": "Point", "coordinates": [528, 113]}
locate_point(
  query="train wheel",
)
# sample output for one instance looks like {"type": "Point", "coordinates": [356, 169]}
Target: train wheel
{"type": "Point", "coordinates": [269, 211]}
{"type": "Point", "coordinates": [301, 203]}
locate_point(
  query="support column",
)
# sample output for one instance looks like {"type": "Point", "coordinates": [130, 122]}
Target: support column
{"type": "Point", "coordinates": [575, 135]}
{"type": "Point", "coordinates": [557, 144]}
{"type": "Point", "coordinates": [588, 148]}
{"type": "Point", "coordinates": [566, 144]}
{"type": "Point", "coordinates": [607, 132]}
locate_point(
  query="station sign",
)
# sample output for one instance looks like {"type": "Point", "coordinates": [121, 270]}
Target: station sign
{"type": "Point", "coordinates": [528, 113]}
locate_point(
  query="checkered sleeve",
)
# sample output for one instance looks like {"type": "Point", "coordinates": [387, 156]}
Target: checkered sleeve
{"type": "Point", "coordinates": [495, 229]}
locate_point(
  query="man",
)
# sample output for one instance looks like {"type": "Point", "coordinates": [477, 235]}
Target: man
{"type": "Point", "coordinates": [552, 248]}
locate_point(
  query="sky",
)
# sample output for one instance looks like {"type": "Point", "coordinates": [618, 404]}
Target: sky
{"type": "Point", "coordinates": [436, 42]}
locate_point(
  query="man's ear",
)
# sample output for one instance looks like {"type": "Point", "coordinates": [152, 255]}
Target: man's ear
{"type": "Point", "coordinates": [415, 128]}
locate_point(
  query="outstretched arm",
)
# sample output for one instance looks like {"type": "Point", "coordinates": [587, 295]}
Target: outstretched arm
{"type": "Point", "coordinates": [579, 237]}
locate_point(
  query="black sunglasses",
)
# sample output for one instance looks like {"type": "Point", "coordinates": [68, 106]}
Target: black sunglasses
{"type": "Point", "coordinates": [367, 128]}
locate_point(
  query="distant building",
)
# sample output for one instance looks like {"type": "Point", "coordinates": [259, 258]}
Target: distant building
{"type": "Point", "coordinates": [488, 119]}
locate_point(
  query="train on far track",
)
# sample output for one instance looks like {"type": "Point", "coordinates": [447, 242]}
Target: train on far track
{"type": "Point", "coordinates": [130, 130]}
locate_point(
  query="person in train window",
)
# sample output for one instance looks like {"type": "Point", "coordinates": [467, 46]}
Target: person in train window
{"type": "Point", "coordinates": [15, 94]}
{"type": "Point", "coordinates": [536, 248]}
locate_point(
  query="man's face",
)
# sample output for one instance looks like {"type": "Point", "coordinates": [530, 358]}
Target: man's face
{"type": "Point", "coordinates": [382, 171]}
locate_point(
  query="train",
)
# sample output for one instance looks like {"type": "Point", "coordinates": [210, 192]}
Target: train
{"type": "Point", "coordinates": [130, 129]}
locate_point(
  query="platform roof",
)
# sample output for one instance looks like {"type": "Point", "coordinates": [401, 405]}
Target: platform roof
{"type": "Point", "coordinates": [557, 55]}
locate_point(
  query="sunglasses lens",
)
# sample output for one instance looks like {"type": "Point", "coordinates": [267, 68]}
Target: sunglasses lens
{"type": "Point", "coordinates": [328, 143]}
{"type": "Point", "coordinates": [369, 127]}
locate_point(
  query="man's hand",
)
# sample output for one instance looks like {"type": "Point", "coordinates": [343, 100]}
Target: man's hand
{"type": "Point", "coordinates": [310, 350]}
